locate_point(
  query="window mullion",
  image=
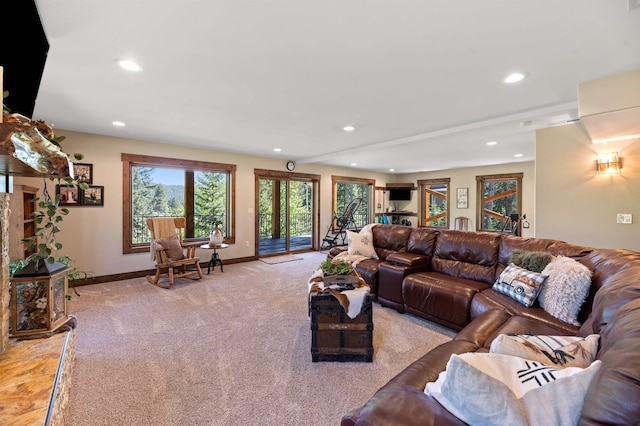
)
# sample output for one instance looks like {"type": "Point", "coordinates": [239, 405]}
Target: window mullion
{"type": "Point", "coordinates": [189, 204]}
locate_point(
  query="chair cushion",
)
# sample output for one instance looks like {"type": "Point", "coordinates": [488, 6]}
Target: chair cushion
{"type": "Point", "coordinates": [172, 246]}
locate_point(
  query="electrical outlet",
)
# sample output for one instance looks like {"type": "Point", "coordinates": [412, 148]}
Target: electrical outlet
{"type": "Point", "coordinates": [246, 243]}
{"type": "Point", "coordinates": [624, 218]}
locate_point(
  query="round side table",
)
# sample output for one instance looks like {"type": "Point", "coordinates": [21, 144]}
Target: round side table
{"type": "Point", "coordinates": [215, 258]}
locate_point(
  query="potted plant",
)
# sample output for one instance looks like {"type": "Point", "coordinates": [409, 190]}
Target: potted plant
{"type": "Point", "coordinates": [39, 283]}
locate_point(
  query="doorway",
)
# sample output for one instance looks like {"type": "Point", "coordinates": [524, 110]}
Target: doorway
{"type": "Point", "coordinates": [286, 212]}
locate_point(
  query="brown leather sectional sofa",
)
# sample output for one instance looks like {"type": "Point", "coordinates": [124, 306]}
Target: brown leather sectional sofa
{"type": "Point", "coordinates": [446, 277]}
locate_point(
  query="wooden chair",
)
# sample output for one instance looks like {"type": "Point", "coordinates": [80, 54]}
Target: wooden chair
{"type": "Point", "coordinates": [173, 257]}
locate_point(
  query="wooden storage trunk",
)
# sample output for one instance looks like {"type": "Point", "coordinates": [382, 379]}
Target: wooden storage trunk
{"type": "Point", "coordinates": [335, 336]}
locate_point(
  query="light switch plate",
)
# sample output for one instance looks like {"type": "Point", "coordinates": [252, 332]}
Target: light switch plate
{"type": "Point", "coordinates": [624, 218]}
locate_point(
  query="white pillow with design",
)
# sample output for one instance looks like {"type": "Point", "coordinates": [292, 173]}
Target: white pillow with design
{"type": "Point", "coordinates": [493, 389]}
{"type": "Point", "coordinates": [562, 351]}
{"type": "Point", "coordinates": [361, 244]}
{"type": "Point", "coordinates": [520, 284]}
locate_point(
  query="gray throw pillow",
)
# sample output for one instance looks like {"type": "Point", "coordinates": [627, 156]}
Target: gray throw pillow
{"type": "Point", "coordinates": [566, 289]}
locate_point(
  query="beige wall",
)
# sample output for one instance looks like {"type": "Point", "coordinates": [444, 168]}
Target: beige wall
{"type": "Point", "coordinates": [576, 205]}
{"type": "Point", "coordinates": [466, 178]}
{"type": "Point", "coordinates": [92, 236]}
{"type": "Point", "coordinates": [562, 197]}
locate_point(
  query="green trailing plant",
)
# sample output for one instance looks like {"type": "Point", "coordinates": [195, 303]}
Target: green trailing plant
{"type": "Point", "coordinates": [48, 214]}
{"type": "Point", "coordinates": [342, 268]}
{"type": "Point", "coordinates": [534, 261]}
{"type": "Point", "coordinates": [44, 245]}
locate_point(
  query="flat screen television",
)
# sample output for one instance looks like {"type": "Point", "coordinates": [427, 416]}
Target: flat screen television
{"type": "Point", "coordinates": [399, 194]}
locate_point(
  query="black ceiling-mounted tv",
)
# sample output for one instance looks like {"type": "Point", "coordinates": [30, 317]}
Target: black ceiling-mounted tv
{"type": "Point", "coordinates": [399, 194]}
{"type": "Point", "coordinates": [23, 62]}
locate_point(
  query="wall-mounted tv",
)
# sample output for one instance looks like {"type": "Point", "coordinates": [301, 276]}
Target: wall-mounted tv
{"type": "Point", "coordinates": [399, 194]}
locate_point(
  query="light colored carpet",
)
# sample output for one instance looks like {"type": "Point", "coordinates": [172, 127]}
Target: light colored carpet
{"type": "Point", "coordinates": [232, 349]}
{"type": "Point", "coordinates": [274, 260]}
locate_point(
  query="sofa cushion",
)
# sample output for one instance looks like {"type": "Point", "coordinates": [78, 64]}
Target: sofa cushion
{"type": "Point", "coordinates": [422, 241]}
{"type": "Point", "coordinates": [561, 351]}
{"type": "Point", "coordinates": [530, 393]}
{"type": "Point", "coordinates": [574, 251]}
{"type": "Point", "coordinates": [604, 264]}
{"type": "Point", "coordinates": [440, 298]}
{"type": "Point", "coordinates": [520, 284]}
{"type": "Point", "coordinates": [490, 299]}
{"type": "Point", "coordinates": [389, 239]}
{"type": "Point", "coordinates": [621, 288]}
{"type": "Point", "coordinates": [468, 255]}
{"type": "Point", "coordinates": [614, 395]}
{"type": "Point", "coordinates": [509, 243]}
{"type": "Point", "coordinates": [566, 289]}
{"type": "Point", "coordinates": [361, 244]}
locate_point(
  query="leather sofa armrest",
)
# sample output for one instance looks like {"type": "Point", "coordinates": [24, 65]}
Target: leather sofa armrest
{"type": "Point", "coordinates": [334, 251]}
{"type": "Point", "coordinates": [408, 259]}
{"type": "Point", "coordinates": [401, 405]}
{"type": "Point", "coordinates": [483, 327]}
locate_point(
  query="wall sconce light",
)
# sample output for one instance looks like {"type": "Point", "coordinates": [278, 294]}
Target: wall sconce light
{"type": "Point", "coordinates": [608, 163]}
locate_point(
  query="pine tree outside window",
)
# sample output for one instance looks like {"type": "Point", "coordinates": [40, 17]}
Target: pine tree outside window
{"type": "Point", "coordinates": [345, 189]}
{"type": "Point", "coordinates": [201, 192]}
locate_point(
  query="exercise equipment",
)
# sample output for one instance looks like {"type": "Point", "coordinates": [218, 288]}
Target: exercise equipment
{"type": "Point", "coordinates": [339, 225]}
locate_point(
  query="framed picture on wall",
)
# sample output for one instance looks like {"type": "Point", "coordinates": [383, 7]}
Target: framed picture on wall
{"type": "Point", "coordinates": [83, 172]}
{"type": "Point", "coordinates": [93, 196]}
{"type": "Point", "coordinates": [462, 198]}
{"type": "Point", "coordinates": [69, 195]}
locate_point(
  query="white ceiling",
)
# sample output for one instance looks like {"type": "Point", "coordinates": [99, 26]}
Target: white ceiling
{"type": "Point", "coordinates": [421, 80]}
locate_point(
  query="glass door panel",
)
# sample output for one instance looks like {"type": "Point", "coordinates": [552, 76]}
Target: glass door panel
{"type": "Point", "coordinates": [286, 216]}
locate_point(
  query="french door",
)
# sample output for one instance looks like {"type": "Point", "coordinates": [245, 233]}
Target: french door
{"type": "Point", "coordinates": [286, 212]}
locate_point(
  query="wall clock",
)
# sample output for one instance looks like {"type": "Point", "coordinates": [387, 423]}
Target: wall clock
{"type": "Point", "coordinates": [291, 165]}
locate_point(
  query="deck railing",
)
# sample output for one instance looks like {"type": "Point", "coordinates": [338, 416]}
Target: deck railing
{"type": "Point", "coordinates": [140, 232]}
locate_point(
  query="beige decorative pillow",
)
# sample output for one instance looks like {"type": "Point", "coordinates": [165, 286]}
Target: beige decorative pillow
{"type": "Point", "coordinates": [173, 247]}
{"type": "Point", "coordinates": [361, 244]}
{"type": "Point", "coordinates": [496, 389]}
{"type": "Point", "coordinates": [562, 351]}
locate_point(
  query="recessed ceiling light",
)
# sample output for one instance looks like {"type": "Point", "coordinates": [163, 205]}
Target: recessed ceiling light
{"type": "Point", "coordinates": [517, 155]}
{"type": "Point", "coordinates": [492, 143]}
{"type": "Point", "coordinates": [348, 128]}
{"type": "Point", "coordinates": [118, 123]}
{"type": "Point", "coordinates": [512, 78]}
{"type": "Point", "coordinates": [277, 149]}
{"type": "Point", "coordinates": [354, 164]}
{"type": "Point", "coordinates": [129, 65]}
{"type": "Point", "coordinates": [392, 170]}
